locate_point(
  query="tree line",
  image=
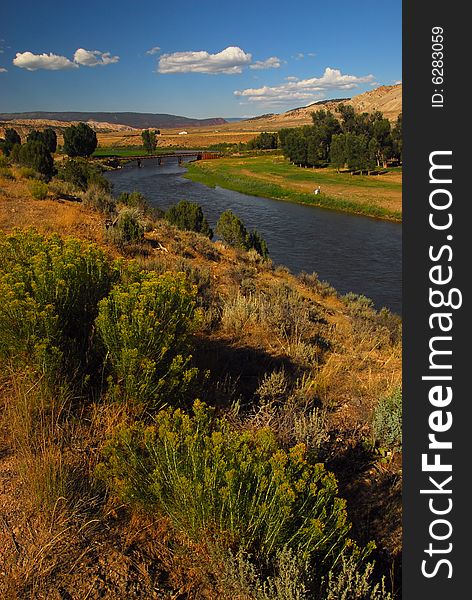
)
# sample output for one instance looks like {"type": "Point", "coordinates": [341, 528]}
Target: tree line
{"type": "Point", "coordinates": [359, 142]}
{"type": "Point", "coordinates": [36, 152]}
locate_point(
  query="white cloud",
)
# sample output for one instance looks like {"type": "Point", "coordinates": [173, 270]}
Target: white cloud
{"type": "Point", "coordinates": [2, 70]}
{"type": "Point", "coordinates": [292, 78]}
{"type": "Point", "coordinates": [308, 90]}
{"type": "Point", "coordinates": [94, 58]}
{"type": "Point", "coordinates": [153, 50]}
{"type": "Point", "coordinates": [229, 61]}
{"type": "Point", "coordinates": [270, 63]}
{"type": "Point", "coordinates": [299, 56]}
{"type": "Point", "coordinates": [50, 62]}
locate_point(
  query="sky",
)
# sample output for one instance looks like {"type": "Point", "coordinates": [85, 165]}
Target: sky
{"type": "Point", "coordinates": [194, 58]}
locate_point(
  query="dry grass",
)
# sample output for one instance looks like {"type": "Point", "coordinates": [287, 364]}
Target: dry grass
{"type": "Point", "coordinates": [83, 543]}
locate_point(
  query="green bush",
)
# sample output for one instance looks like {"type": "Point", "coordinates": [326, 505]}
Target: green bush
{"type": "Point", "coordinates": [79, 140]}
{"type": "Point", "coordinates": [6, 173]}
{"type": "Point", "coordinates": [28, 173]}
{"type": "Point", "coordinates": [189, 216]}
{"type": "Point", "coordinates": [50, 288]}
{"type": "Point", "coordinates": [48, 137]}
{"type": "Point", "coordinates": [387, 420]}
{"type": "Point", "coordinates": [233, 232]}
{"type": "Point", "coordinates": [38, 190]}
{"type": "Point", "coordinates": [81, 174]}
{"type": "Point", "coordinates": [139, 202]}
{"type": "Point", "coordinates": [127, 228]}
{"type": "Point", "coordinates": [145, 326]}
{"type": "Point", "coordinates": [36, 156]}
{"type": "Point", "coordinates": [237, 488]}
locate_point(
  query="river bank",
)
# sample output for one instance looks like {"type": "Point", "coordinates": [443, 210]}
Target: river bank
{"type": "Point", "coordinates": [274, 177]}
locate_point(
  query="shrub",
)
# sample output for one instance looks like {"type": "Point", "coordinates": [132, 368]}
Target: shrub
{"type": "Point", "coordinates": [351, 580]}
{"type": "Point", "coordinates": [232, 230]}
{"type": "Point", "coordinates": [50, 288]}
{"type": "Point", "coordinates": [81, 174]}
{"type": "Point", "coordinates": [189, 216]}
{"type": "Point", "coordinates": [37, 156]}
{"type": "Point", "coordinates": [234, 233]}
{"type": "Point", "coordinates": [6, 173]}
{"type": "Point", "coordinates": [11, 139]}
{"type": "Point", "coordinates": [387, 420]}
{"type": "Point", "coordinates": [139, 202]}
{"type": "Point", "coordinates": [96, 198]}
{"type": "Point", "coordinates": [127, 228]}
{"type": "Point", "coordinates": [237, 488]}
{"type": "Point", "coordinates": [145, 326]}
{"type": "Point", "coordinates": [79, 140]}
{"type": "Point", "coordinates": [38, 190]}
{"type": "Point", "coordinates": [28, 173]}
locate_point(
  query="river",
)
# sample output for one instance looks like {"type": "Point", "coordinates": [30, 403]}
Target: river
{"type": "Point", "coordinates": [351, 252]}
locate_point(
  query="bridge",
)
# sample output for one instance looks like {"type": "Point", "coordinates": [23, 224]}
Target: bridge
{"type": "Point", "coordinates": [180, 156]}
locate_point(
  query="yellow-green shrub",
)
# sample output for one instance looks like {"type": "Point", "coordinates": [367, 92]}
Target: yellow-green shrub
{"type": "Point", "coordinates": [237, 488]}
{"type": "Point", "coordinates": [50, 288]}
{"type": "Point", "coordinates": [145, 326]}
{"type": "Point", "coordinates": [38, 190]}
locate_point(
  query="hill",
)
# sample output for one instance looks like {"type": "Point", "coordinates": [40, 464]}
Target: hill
{"type": "Point", "coordinates": [132, 119]}
{"type": "Point", "coordinates": [387, 99]}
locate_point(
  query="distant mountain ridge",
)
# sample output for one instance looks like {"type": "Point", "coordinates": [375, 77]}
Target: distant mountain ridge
{"type": "Point", "coordinates": [131, 119]}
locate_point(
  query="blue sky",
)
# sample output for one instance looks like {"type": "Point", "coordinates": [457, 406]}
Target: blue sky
{"type": "Point", "coordinates": [197, 58]}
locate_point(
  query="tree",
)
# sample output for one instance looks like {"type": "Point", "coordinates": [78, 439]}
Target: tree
{"type": "Point", "coordinates": [48, 137]}
{"type": "Point", "coordinates": [11, 139]}
{"type": "Point", "coordinates": [264, 141]}
{"type": "Point", "coordinates": [397, 138]}
{"type": "Point", "coordinates": [34, 154]}
{"type": "Point", "coordinates": [357, 152]}
{"type": "Point", "coordinates": [259, 244]}
{"type": "Point", "coordinates": [337, 154]}
{"type": "Point", "coordinates": [79, 140]}
{"type": "Point", "coordinates": [189, 216]}
{"type": "Point", "coordinates": [149, 140]}
{"type": "Point", "coordinates": [232, 230]}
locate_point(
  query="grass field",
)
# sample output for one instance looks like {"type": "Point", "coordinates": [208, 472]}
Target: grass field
{"type": "Point", "coordinates": [274, 177]}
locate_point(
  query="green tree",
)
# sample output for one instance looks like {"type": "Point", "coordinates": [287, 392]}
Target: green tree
{"type": "Point", "coordinates": [11, 139]}
{"type": "Point", "coordinates": [79, 140]}
{"type": "Point", "coordinates": [189, 216]}
{"type": "Point", "coordinates": [264, 141]}
{"type": "Point", "coordinates": [37, 156]}
{"type": "Point", "coordinates": [397, 138]}
{"type": "Point", "coordinates": [232, 230]}
{"type": "Point", "coordinates": [48, 137]}
{"type": "Point", "coordinates": [81, 174]}
{"type": "Point", "coordinates": [149, 140]}
{"type": "Point", "coordinates": [258, 243]}
{"type": "Point", "coordinates": [337, 154]}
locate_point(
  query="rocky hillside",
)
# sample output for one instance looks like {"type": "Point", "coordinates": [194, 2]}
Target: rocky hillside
{"type": "Point", "coordinates": [387, 99]}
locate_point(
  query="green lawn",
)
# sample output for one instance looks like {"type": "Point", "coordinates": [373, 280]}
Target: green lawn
{"type": "Point", "coordinates": [275, 177]}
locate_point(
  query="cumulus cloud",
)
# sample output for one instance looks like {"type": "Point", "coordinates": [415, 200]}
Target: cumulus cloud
{"type": "Point", "coordinates": [50, 62]}
{"type": "Point", "coordinates": [308, 90]}
{"type": "Point", "coordinates": [229, 61]}
{"type": "Point", "coordinates": [54, 62]}
{"type": "Point", "coordinates": [2, 70]}
{"type": "Point", "coordinates": [153, 50]}
{"type": "Point", "coordinates": [94, 58]}
{"type": "Point", "coordinates": [270, 63]}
